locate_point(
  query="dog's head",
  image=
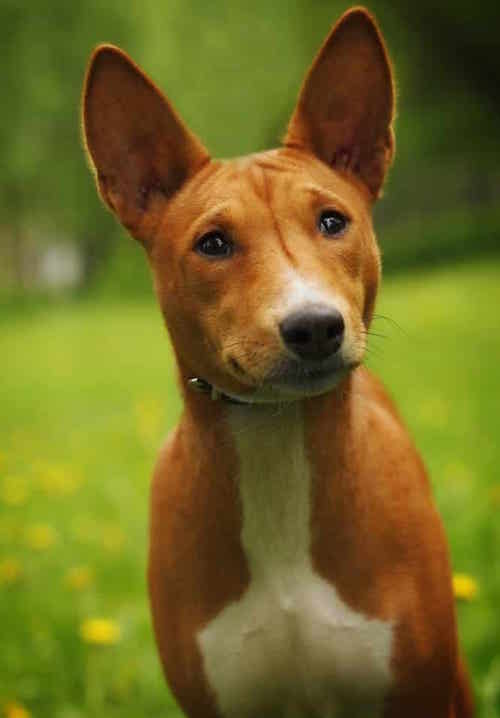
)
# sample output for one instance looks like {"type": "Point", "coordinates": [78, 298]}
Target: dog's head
{"type": "Point", "coordinates": [266, 267]}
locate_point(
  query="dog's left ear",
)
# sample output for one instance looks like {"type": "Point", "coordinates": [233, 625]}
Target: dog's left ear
{"type": "Point", "coordinates": [345, 109]}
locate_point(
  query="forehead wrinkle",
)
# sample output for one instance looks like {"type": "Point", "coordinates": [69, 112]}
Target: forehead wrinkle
{"type": "Point", "coordinates": [326, 195]}
{"type": "Point", "coordinates": [273, 162]}
{"type": "Point", "coordinates": [267, 196]}
{"type": "Point", "coordinates": [219, 213]}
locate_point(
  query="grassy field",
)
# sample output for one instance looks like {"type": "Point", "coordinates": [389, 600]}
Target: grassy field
{"type": "Point", "coordinates": [88, 391]}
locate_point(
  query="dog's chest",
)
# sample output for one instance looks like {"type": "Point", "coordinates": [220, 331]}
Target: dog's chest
{"type": "Point", "coordinates": [290, 647]}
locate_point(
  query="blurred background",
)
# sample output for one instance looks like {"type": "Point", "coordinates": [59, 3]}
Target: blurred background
{"type": "Point", "coordinates": [88, 385]}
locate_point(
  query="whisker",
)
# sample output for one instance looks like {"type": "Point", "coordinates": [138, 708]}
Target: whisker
{"type": "Point", "coordinates": [369, 333]}
{"type": "Point", "coordinates": [392, 321]}
{"type": "Point", "coordinates": [373, 352]}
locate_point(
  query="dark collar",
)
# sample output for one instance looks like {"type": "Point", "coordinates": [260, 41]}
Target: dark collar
{"type": "Point", "coordinates": [203, 387]}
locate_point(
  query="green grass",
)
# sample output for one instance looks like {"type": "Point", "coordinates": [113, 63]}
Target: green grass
{"type": "Point", "coordinates": [88, 391]}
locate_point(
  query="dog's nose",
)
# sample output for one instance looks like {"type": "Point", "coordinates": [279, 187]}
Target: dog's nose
{"type": "Point", "coordinates": [314, 333]}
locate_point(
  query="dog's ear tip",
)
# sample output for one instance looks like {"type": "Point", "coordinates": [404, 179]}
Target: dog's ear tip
{"type": "Point", "coordinates": [107, 51]}
{"type": "Point", "coordinates": [362, 21]}
{"type": "Point", "coordinates": [106, 56]}
{"type": "Point", "coordinates": [108, 65]}
{"type": "Point", "coordinates": [358, 14]}
{"type": "Point", "coordinates": [359, 25]}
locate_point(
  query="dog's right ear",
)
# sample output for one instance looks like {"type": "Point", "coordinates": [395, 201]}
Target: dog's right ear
{"type": "Point", "coordinates": [345, 110]}
{"type": "Point", "coordinates": [139, 147]}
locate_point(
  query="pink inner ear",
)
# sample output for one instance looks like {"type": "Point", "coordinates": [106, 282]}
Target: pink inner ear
{"type": "Point", "coordinates": [346, 159]}
{"type": "Point", "coordinates": [345, 109]}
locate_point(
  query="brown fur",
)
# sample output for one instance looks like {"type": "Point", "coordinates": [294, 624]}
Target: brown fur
{"type": "Point", "coordinates": [376, 533]}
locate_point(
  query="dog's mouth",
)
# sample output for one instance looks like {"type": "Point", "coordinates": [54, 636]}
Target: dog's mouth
{"type": "Point", "coordinates": [307, 378]}
{"type": "Point", "coordinates": [291, 379]}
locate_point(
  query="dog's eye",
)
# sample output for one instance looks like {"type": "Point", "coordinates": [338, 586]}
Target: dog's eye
{"type": "Point", "coordinates": [214, 244]}
{"type": "Point", "coordinates": [332, 223]}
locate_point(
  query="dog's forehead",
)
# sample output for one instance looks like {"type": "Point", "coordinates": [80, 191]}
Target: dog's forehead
{"type": "Point", "coordinates": [281, 176]}
{"type": "Point", "coordinates": [255, 174]}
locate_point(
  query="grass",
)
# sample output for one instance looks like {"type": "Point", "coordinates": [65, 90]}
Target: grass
{"type": "Point", "coordinates": [88, 391]}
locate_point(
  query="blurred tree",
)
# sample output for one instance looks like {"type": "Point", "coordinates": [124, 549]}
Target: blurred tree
{"type": "Point", "coordinates": [464, 36]}
{"type": "Point", "coordinates": [44, 51]}
{"type": "Point", "coordinates": [233, 71]}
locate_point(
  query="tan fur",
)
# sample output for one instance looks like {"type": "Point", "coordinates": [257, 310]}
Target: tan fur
{"type": "Point", "coordinates": [375, 533]}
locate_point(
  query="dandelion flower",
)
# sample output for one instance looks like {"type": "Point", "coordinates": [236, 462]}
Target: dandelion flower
{"type": "Point", "coordinates": [57, 480]}
{"type": "Point", "coordinates": [14, 491]}
{"type": "Point", "coordinates": [40, 537]}
{"type": "Point", "coordinates": [100, 631]}
{"type": "Point", "coordinates": [10, 571]}
{"type": "Point", "coordinates": [465, 587]}
{"type": "Point", "coordinates": [78, 578]}
{"type": "Point", "coordinates": [16, 710]}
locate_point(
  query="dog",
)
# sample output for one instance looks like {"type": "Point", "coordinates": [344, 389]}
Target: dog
{"type": "Point", "coordinates": [298, 566]}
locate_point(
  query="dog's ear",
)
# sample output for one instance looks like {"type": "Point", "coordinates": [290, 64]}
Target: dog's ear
{"type": "Point", "coordinates": [140, 149]}
{"type": "Point", "coordinates": [345, 109]}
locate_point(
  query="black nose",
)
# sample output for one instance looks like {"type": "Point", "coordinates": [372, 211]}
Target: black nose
{"type": "Point", "coordinates": [314, 333]}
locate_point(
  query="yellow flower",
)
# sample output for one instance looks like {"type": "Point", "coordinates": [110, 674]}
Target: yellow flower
{"type": "Point", "coordinates": [14, 491]}
{"type": "Point", "coordinates": [40, 537]}
{"type": "Point", "coordinates": [10, 571]}
{"type": "Point", "coordinates": [100, 631]}
{"type": "Point", "coordinates": [465, 587]}
{"type": "Point", "coordinates": [16, 710]}
{"type": "Point", "coordinates": [57, 480]}
{"type": "Point", "coordinates": [79, 578]}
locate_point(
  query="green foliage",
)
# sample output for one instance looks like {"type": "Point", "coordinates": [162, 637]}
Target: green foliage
{"type": "Point", "coordinates": [440, 239]}
{"type": "Point", "coordinates": [88, 392]}
{"type": "Point", "coordinates": [233, 71]}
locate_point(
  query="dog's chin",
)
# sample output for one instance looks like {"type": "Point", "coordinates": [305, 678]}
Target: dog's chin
{"type": "Point", "coordinates": [293, 380]}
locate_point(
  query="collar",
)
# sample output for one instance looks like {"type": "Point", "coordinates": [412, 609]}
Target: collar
{"type": "Point", "coordinates": [203, 387]}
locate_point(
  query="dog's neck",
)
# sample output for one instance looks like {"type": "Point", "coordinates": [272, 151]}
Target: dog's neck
{"type": "Point", "coordinates": [205, 408]}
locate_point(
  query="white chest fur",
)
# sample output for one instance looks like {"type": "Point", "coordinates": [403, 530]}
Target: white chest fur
{"type": "Point", "coordinates": [290, 647]}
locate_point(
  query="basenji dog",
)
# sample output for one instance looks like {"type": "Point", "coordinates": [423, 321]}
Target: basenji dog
{"type": "Point", "coordinates": [298, 566]}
